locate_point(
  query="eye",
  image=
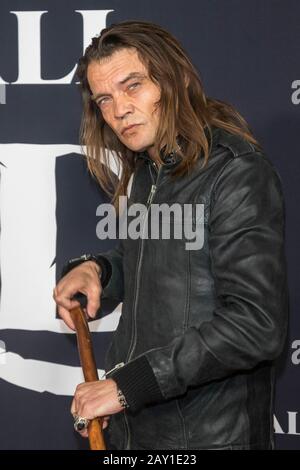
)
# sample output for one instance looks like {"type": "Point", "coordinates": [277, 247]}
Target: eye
{"type": "Point", "coordinates": [133, 85]}
{"type": "Point", "coordinates": [102, 102]}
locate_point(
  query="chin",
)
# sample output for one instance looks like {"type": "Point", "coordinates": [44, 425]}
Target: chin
{"type": "Point", "coordinates": [137, 147]}
{"type": "Point", "coordinates": [140, 146]}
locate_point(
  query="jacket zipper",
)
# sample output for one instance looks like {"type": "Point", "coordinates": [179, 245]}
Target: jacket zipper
{"type": "Point", "coordinates": [151, 194]}
{"type": "Point", "coordinates": [139, 264]}
{"type": "Point", "coordinates": [118, 366]}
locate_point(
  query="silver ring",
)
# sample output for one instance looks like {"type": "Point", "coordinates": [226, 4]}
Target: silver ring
{"type": "Point", "coordinates": [80, 423]}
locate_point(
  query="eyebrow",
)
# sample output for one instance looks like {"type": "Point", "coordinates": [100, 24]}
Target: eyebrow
{"type": "Point", "coordinates": [122, 82]}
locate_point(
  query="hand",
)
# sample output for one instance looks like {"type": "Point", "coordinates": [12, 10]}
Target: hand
{"type": "Point", "coordinates": [85, 278]}
{"type": "Point", "coordinates": [96, 399]}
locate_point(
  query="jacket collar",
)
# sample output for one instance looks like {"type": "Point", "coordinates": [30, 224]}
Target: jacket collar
{"type": "Point", "coordinates": [172, 158]}
{"type": "Point", "coordinates": [169, 159]}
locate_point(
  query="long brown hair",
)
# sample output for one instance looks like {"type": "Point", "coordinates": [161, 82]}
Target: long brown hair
{"type": "Point", "coordinates": [184, 108]}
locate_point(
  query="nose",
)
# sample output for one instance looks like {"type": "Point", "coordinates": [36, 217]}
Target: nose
{"type": "Point", "coordinates": [122, 106]}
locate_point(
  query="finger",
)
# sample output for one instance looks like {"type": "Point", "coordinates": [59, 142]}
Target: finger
{"type": "Point", "coordinates": [84, 433]}
{"type": "Point", "coordinates": [55, 293]}
{"type": "Point", "coordinates": [93, 301]}
{"type": "Point", "coordinates": [73, 408]}
{"type": "Point", "coordinates": [65, 299]}
{"type": "Point", "coordinates": [66, 317]}
{"type": "Point", "coordinates": [105, 423]}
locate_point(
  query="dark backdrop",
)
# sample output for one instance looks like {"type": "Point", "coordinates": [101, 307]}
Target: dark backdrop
{"type": "Point", "coordinates": [247, 52]}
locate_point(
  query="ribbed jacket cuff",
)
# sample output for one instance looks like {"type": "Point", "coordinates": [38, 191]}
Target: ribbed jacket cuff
{"type": "Point", "coordinates": [106, 270]}
{"type": "Point", "coordinates": [138, 383]}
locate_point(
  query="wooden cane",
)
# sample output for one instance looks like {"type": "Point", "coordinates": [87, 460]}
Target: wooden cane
{"type": "Point", "coordinates": [88, 364]}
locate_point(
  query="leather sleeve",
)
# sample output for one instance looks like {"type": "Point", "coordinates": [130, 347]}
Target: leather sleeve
{"type": "Point", "coordinates": [114, 286]}
{"type": "Point", "coordinates": [246, 239]}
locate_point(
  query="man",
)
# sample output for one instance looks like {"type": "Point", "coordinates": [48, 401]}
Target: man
{"type": "Point", "coordinates": [191, 362]}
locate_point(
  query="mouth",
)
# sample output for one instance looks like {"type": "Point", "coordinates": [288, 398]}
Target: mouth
{"type": "Point", "coordinates": [128, 128]}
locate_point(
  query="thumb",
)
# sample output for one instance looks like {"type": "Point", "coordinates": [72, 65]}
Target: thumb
{"type": "Point", "coordinates": [93, 305]}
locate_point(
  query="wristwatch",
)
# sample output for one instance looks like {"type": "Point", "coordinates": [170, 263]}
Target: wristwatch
{"type": "Point", "coordinates": [72, 263]}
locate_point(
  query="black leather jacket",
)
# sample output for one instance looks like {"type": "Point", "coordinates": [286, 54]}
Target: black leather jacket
{"type": "Point", "coordinates": [199, 330]}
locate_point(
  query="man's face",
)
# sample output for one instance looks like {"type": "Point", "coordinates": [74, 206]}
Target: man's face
{"type": "Point", "coordinates": [126, 97]}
